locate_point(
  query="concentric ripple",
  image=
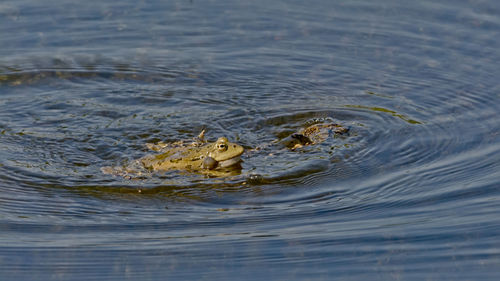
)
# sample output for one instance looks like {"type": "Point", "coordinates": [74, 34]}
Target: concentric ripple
{"type": "Point", "coordinates": [410, 192]}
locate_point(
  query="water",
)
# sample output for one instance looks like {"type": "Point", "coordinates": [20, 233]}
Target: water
{"type": "Point", "coordinates": [410, 193]}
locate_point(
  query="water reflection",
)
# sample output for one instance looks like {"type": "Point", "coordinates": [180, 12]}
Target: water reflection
{"type": "Point", "coordinates": [381, 109]}
{"type": "Point", "coordinates": [410, 191]}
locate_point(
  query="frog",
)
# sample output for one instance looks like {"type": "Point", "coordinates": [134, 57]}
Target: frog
{"type": "Point", "coordinates": [310, 135]}
{"type": "Point", "coordinates": [199, 157]}
{"type": "Point", "coordinates": [313, 134]}
{"type": "Point", "coordinates": [210, 156]}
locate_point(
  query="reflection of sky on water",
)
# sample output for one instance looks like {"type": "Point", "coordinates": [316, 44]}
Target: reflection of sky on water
{"type": "Point", "coordinates": [410, 192]}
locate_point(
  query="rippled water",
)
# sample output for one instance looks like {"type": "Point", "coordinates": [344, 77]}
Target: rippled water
{"type": "Point", "coordinates": [410, 193]}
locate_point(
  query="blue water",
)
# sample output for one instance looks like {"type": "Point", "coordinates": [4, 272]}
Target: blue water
{"type": "Point", "coordinates": [410, 193]}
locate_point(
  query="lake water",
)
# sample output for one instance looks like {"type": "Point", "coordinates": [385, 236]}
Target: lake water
{"type": "Point", "coordinates": [412, 192]}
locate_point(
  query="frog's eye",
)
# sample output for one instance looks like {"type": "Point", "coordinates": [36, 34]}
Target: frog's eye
{"type": "Point", "coordinates": [221, 147]}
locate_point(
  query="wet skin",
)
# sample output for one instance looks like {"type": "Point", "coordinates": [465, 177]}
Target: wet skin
{"type": "Point", "coordinates": [218, 159]}
{"type": "Point", "coordinates": [211, 156]}
{"type": "Point", "coordinates": [313, 134]}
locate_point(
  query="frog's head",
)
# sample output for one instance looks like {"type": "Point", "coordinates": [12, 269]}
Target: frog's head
{"type": "Point", "coordinates": [223, 154]}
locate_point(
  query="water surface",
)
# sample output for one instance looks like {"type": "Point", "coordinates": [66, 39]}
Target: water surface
{"type": "Point", "coordinates": [410, 193]}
